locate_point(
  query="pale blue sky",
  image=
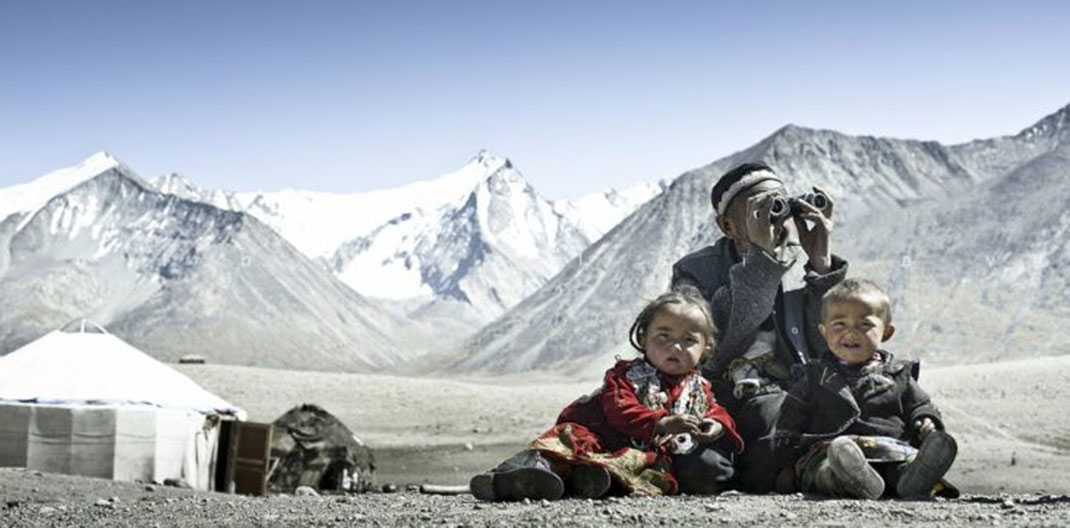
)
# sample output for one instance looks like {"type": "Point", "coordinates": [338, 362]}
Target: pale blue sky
{"type": "Point", "coordinates": [353, 96]}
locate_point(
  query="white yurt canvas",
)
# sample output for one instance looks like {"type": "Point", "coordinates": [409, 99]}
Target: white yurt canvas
{"type": "Point", "coordinates": [85, 402]}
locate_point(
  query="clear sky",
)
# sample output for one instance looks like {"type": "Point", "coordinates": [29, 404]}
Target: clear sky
{"type": "Point", "coordinates": [353, 96]}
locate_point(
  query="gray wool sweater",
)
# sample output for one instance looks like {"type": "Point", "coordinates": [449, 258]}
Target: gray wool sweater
{"type": "Point", "coordinates": [747, 297]}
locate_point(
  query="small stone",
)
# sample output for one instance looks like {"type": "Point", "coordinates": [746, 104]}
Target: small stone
{"type": "Point", "coordinates": [391, 488]}
{"type": "Point", "coordinates": [47, 510]}
{"type": "Point", "coordinates": [731, 493]}
{"type": "Point", "coordinates": [1007, 504]}
{"type": "Point", "coordinates": [34, 490]}
{"type": "Point", "coordinates": [150, 487]}
{"type": "Point", "coordinates": [176, 483]}
{"type": "Point", "coordinates": [477, 506]}
{"type": "Point", "coordinates": [113, 500]}
{"type": "Point", "coordinates": [306, 491]}
{"type": "Point", "coordinates": [103, 503]}
{"type": "Point", "coordinates": [468, 446]}
{"type": "Point", "coordinates": [37, 473]}
{"type": "Point", "coordinates": [544, 503]}
{"type": "Point", "coordinates": [527, 500]}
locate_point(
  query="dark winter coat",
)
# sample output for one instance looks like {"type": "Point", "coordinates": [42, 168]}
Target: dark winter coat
{"type": "Point", "coordinates": [746, 296]}
{"type": "Point", "coordinates": [827, 401]}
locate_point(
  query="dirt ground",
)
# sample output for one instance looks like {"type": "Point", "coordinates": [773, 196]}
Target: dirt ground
{"type": "Point", "coordinates": [1009, 419]}
{"type": "Point", "coordinates": [34, 499]}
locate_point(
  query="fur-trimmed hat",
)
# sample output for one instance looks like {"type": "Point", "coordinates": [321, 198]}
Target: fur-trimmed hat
{"type": "Point", "coordinates": [739, 178]}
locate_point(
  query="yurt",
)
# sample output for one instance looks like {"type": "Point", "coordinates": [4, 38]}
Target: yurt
{"type": "Point", "coordinates": [84, 402]}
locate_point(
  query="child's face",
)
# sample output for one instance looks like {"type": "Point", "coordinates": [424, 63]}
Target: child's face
{"type": "Point", "coordinates": [853, 329]}
{"type": "Point", "coordinates": [675, 339]}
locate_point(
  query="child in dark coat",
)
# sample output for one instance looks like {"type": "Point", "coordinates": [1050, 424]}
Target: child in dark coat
{"type": "Point", "coordinates": [856, 423]}
{"type": "Point", "coordinates": [652, 428]}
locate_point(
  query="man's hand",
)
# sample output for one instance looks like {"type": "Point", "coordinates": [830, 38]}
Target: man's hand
{"type": "Point", "coordinates": [709, 431]}
{"type": "Point", "coordinates": [760, 230]}
{"type": "Point", "coordinates": [924, 427]}
{"type": "Point", "coordinates": [815, 239]}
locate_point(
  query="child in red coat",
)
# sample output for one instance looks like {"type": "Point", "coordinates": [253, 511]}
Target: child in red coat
{"type": "Point", "coordinates": [652, 428]}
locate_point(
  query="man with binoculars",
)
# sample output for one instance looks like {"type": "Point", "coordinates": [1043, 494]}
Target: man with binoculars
{"type": "Point", "coordinates": [764, 279]}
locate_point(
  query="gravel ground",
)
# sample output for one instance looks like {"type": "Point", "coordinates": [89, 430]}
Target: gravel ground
{"type": "Point", "coordinates": [34, 499]}
{"type": "Point", "coordinates": [1008, 418]}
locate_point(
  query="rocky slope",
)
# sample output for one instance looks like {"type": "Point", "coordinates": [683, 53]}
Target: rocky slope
{"type": "Point", "coordinates": [175, 277]}
{"type": "Point", "coordinates": [579, 320]}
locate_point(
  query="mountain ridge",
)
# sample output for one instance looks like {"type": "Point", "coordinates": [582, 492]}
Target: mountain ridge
{"type": "Point", "coordinates": [581, 308]}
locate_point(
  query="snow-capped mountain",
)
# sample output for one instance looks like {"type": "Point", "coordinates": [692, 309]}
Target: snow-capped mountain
{"type": "Point", "coordinates": [596, 213]}
{"type": "Point", "coordinates": [175, 276]}
{"type": "Point", "coordinates": [31, 196]}
{"type": "Point", "coordinates": [318, 223]}
{"type": "Point", "coordinates": [579, 320]}
{"type": "Point", "coordinates": [481, 237]}
{"type": "Point", "coordinates": [489, 250]}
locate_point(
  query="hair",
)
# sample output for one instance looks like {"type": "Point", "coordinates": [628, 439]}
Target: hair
{"type": "Point", "coordinates": [683, 294]}
{"type": "Point", "coordinates": [732, 176]}
{"type": "Point", "coordinates": [855, 289]}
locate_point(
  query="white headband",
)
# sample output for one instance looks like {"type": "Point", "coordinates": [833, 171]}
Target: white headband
{"type": "Point", "coordinates": [748, 180]}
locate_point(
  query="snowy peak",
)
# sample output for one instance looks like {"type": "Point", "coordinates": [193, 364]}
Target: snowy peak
{"type": "Point", "coordinates": [176, 184]}
{"type": "Point", "coordinates": [319, 223]}
{"type": "Point", "coordinates": [31, 196]}
{"type": "Point", "coordinates": [512, 215]}
{"type": "Point", "coordinates": [598, 212]}
{"type": "Point", "coordinates": [490, 162]}
{"type": "Point", "coordinates": [488, 248]}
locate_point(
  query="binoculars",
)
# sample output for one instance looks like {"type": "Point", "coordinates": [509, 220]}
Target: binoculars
{"type": "Point", "coordinates": [785, 206]}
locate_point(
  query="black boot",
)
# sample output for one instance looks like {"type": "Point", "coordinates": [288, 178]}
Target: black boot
{"type": "Point", "coordinates": [588, 482]}
{"type": "Point", "coordinates": [525, 475]}
{"type": "Point", "coordinates": [935, 456]}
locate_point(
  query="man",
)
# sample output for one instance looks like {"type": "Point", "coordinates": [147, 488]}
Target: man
{"type": "Point", "coordinates": [765, 279]}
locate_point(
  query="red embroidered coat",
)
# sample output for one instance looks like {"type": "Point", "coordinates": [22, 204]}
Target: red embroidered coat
{"type": "Point", "coordinates": [625, 411]}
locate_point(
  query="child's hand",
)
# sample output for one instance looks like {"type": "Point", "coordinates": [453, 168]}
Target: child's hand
{"type": "Point", "coordinates": [815, 240]}
{"type": "Point", "coordinates": [676, 424]}
{"type": "Point", "coordinates": [924, 427]}
{"type": "Point", "coordinates": [709, 430]}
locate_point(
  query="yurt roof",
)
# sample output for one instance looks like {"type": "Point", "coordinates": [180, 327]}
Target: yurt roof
{"type": "Point", "coordinates": [94, 367]}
